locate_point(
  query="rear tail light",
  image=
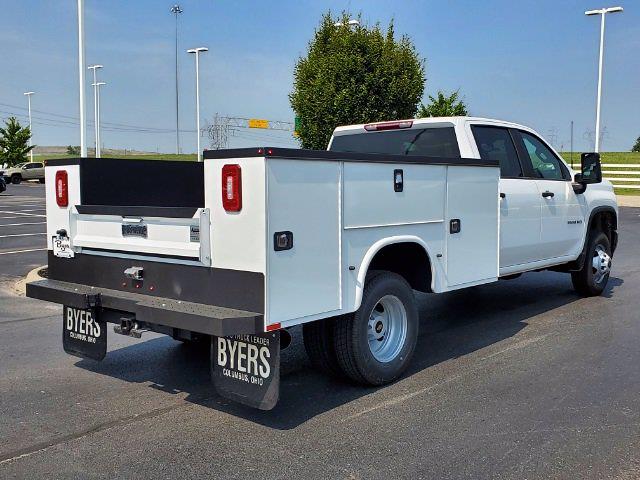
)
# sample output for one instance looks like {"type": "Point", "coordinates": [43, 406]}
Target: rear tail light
{"type": "Point", "coordinates": [231, 188]}
{"type": "Point", "coordinates": [375, 127]}
{"type": "Point", "coordinates": [62, 188]}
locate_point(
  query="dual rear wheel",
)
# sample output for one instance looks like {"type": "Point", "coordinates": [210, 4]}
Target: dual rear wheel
{"type": "Point", "coordinates": [373, 345]}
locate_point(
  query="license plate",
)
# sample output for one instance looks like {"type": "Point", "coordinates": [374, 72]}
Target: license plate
{"type": "Point", "coordinates": [246, 368]}
{"type": "Point", "coordinates": [83, 333]}
{"type": "Point", "coordinates": [134, 230]}
{"type": "Point", "coordinates": [62, 247]}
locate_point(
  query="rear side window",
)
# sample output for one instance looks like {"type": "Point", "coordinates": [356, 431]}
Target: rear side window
{"type": "Point", "coordinates": [427, 142]}
{"type": "Point", "coordinates": [495, 143]}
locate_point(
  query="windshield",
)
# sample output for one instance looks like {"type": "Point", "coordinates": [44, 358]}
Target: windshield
{"type": "Point", "coordinates": [428, 142]}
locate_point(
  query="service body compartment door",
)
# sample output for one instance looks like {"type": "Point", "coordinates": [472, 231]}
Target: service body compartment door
{"type": "Point", "coordinates": [303, 204]}
{"type": "Point", "coordinates": [472, 225]}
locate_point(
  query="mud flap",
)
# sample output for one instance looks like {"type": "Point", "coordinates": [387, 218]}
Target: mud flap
{"type": "Point", "coordinates": [84, 333]}
{"type": "Point", "coordinates": [246, 368]}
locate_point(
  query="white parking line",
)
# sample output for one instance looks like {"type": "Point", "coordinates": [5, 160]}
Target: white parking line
{"type": "Point", "coordinates": [26, 210]}
{"type": "Point", "coordinates": [20, 213]}
{"type": "Point", "coordinates": [23, 251]}
{"type": "Point", "coordinates": [20, 224]}
{"type": "Point", "coordinates": [23, 235]}
{"type": "Point", "coordinates": [21, 218]}
{"type": "Point", "coordinates": [31, 205]}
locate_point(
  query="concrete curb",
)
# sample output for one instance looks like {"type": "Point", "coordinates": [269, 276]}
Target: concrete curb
{"type": "Point", "coordinates": [628, 200]}
{"type": "Point", "coordinates": [20, 286]}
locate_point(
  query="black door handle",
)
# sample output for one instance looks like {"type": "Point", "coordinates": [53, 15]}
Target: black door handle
{"type": "Point", "coordinates": [503, 195]}
{"type": "Point", "coordinates": [547, 194]}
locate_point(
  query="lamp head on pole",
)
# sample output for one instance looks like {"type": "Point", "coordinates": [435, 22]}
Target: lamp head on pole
{"type": "Point", "coordinates": [198, 50]}
{"type": "Point", "coordinates": [176, 9]}
{"type": "Point", "coordinates": [604, 10]}
{"type": "Point", "coordinates": [94, 67]}
{"type": "Point", "coordinates": [28, 94]}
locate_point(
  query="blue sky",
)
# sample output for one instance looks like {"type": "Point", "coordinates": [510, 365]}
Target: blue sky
{"type": "Point", "coordinates": [533, 62]}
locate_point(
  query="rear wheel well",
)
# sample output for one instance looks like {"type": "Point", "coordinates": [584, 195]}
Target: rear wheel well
{"type": "Point", "coordinates": [407, 259]}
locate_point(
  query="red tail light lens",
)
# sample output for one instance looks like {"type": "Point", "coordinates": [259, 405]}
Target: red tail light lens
{"type": "Point", "coordinates": [231, 188]}
{"type": "Point", "coordinates": [62, 188]}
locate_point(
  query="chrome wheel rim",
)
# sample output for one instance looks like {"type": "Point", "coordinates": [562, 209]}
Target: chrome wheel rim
{"type": "Point", "coordinates": [601, 264]}
{"type": "Point", "coordinates": [387, 328]}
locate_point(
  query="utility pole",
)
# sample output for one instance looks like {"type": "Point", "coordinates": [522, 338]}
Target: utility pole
{"type": "Point", "coordinates": [602, 12]}
{"type": "Point", "coordinates": [28, 94]}
{"type": "Point", "coordinates": [95, 108]}
{"type": "Point", "coordinates": [99, 133]}
{"type": "Point", "coordinates": [81, 64]}
{"type": "Point", "coordinates": [197, 52]}
{"type": "Point", "coordinates": [176, 10]}
{"type": "Point", "coordinates": [571, 153]}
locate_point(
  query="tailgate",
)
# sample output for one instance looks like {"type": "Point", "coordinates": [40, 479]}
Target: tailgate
{"type": "Point", "coordinates": [146, 232]}
{"type": "Point", "coordinates": [146, 207]}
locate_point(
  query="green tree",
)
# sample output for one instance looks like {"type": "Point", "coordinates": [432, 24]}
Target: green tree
{"type": "Point", "coordinates": [636, 147]}
{"type": "Point", "coordinates": [73, 150]}
{"type": "Point", "coordinates": [443, 106]}
{"type": "Point", "coordinates": [14, 142]}
{"type": "Point", "coordinates": [354, 74]}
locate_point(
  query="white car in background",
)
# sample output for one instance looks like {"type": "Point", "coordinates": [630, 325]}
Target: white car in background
{"type": "Point", "coordinates": [24, 171]}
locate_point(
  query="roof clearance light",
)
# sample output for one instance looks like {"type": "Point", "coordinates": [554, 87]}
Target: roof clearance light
{"type": "Point", "coordinates": [376, 127]}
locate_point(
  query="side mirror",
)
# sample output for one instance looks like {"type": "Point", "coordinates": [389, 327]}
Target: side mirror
{"type": "Point", "coordinates": [591, 170]}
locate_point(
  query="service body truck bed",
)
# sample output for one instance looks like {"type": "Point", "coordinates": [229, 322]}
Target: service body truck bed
{"type": "Point", "coordinates": [253, 241]}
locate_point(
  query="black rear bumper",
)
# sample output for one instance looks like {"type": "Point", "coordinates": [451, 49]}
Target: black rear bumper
{"type": "Point", "coordinates": [195, 317]}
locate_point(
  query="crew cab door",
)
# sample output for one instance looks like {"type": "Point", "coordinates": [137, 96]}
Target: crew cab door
{"type": "Point", "coordinates": [520, 204]}
{"type": "Point", "coordinates": [561, 214]}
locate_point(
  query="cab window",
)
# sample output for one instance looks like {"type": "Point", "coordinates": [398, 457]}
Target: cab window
{"type": "Point", "coordinates": [495, 143]}
{"type": "Point", "coordinates": [544, 163]}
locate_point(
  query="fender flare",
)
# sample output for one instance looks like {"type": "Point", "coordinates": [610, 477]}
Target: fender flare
{"type": "Point", "coordinates": [614, 241]}
{"type": "Point", "coordinates": [375, 248]}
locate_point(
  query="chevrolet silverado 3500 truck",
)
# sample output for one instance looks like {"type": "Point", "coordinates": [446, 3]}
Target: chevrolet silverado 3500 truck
{"type": "Point", "coordinates": [252, 241]}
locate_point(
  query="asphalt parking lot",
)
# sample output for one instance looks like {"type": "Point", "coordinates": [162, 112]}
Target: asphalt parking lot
{"type": "Point", "coordinates": [519, 379]}
{"type": "Point", "coordinates": [22, 229]}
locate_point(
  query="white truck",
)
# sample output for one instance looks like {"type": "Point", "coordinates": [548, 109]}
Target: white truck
{"type": "Point", "coordinates": [251, 242]}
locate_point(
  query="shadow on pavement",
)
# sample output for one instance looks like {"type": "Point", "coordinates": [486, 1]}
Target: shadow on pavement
{"type": "Point", "coordinates": [452, 325]}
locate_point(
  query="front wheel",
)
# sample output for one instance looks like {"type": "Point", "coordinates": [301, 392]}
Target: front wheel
{"type": "Point", "coordinates": [592, 278]}
{"type": "Point", "coordinates": [375, 344]}
{"type": "Point", "coordinates": [16, 178]}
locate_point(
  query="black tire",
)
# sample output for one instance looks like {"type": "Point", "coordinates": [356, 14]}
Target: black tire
{"type": "Point", "coordinates": [41, 180]}
{"type": "Point", "coordinates": [16, 178]}
{"type": "Point", "coordinates": [585, 280]}
{"type": "Point", "coordinates": [319, 345]}
{"type": "Point", "coordinates": [351, 332]}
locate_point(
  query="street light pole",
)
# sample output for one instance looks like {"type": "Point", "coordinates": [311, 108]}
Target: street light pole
{"type": "Point", "coordinates": [81, 64]}
{"type": "Point", "coordinates": [602, 12]}
{"type": "Point", "coordinates": [28, 94]}
{"type": "Point", "coordinates": [97, 86]}
{"type": "Point", "coordinates": [95, 106]}
{"type": "Point", "coordinates": [197, 51]}
{"type": "Point", "coordinates": [176, 10]}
